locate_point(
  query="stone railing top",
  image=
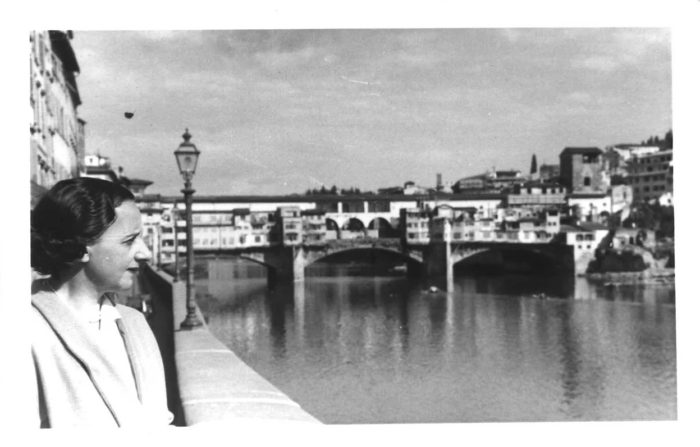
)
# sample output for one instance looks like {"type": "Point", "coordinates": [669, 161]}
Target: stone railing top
{"type": "Point", "coordinates": [216, 386]}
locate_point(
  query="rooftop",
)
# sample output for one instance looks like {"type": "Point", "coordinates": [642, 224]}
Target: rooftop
{"type": "Point", "coordinates": [582, 227]}
{"type": "Point", "coordinates": [581, 151]}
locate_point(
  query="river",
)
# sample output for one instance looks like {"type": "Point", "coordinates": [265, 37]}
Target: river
{"type": "Point", "coordinates": [356, 348]}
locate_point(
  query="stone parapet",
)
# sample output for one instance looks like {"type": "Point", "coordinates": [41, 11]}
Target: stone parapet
{"type": "Point", "coordinates": [215, 385]}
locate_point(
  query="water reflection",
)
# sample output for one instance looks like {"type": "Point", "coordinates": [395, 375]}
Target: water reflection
{"type": "Point", "coordinates": [354, 349]}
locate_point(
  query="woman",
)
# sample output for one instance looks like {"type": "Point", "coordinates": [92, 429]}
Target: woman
{"type": "Point", "coordinates": [97, 362]}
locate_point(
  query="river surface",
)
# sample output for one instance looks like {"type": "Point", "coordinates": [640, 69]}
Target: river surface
{"type": "Point", "coordinates": [382, 349]}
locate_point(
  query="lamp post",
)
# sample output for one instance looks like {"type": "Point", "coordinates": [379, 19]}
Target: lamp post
{"type": "Point", "coordinates": [176, 216]}
{"type": "Point", "coordinates": [186, 155]}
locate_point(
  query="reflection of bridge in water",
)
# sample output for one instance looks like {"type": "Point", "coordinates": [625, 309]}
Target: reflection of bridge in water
{"type": "Point", "coordinates": [435, 260]}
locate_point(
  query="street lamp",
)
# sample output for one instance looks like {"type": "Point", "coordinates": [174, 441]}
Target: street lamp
{"type": "Point", "coordinates": [175, 217]}
{"type": "Point", "coordinates": [186, 155]}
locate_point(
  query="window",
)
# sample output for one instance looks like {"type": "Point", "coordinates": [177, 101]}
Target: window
{"type": "Point", "coordinates": [586, 181]}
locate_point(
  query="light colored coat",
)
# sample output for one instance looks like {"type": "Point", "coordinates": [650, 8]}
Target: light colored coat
{"type": "Point", "coordinates": [78, 385]}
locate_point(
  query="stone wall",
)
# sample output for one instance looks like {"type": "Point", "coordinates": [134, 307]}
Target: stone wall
{"type": "Point", "coordinates": [214, 386]}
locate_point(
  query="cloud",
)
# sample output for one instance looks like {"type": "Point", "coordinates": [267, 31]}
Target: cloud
{"type": "Point", "coordinates": [579, 97]}
{"type": "Point", "coordinates": [600, 63]}
{"type": "Point", "coordinates": [622, 48]}
{"type": "Point", "coordinates": [638, 42]}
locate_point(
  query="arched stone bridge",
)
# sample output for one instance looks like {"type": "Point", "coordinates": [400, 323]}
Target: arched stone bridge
{"type": "Point", "coordinates": [436, 259]}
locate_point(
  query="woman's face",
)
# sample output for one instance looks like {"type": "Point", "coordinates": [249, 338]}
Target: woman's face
{"type": "Point", "coordinates": [113, 258]}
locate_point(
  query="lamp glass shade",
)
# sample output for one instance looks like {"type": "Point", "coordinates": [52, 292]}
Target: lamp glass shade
{"type": "Point", "coordinates": [187, 156]}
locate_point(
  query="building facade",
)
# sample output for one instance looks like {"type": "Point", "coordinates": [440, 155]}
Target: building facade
{"type": "Point", "coordinates": [549, 173]}
{"type": "Point", "coordinates": [592, 208]}
{"type": "Point", "coordinates": [583, 170]}
{"type": "Point", "coordinates": [492, 181]}
{"type": "Point", "coordinates": [57, 134]}
{"type": "Point", "coordinates": [618, 156]}
{"type": "Point", "coordinates": [651, 175]}
{"type": "Point", "coordinates": [537, 194]}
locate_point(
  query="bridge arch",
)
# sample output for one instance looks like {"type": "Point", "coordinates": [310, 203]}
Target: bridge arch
{"type": "Point", "coordinates": [332, 225]}
{"type": "Point", "coordinates": [257, 258]}
{"type": "Point", "coordinates": [383, 226]}
{"type": "Point", "coordinates": [523, 256]}
{"type": "Point", "coordinates": [312, 257]}
{"type": "Point", "coordinates": [354, 224]}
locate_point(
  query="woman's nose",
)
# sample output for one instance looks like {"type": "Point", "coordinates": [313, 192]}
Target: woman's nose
{"type": "Point", "coordinates": [142, 251]}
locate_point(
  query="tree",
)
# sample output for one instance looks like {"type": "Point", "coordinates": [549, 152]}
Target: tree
{"type": "Point", "coordinates": [668, 139]}
{"type": "Point", "coordinates": [533, 164]}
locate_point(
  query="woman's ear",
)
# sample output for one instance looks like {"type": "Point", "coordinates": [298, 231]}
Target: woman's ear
{"type": "Point", "coordinates": [86, 256]}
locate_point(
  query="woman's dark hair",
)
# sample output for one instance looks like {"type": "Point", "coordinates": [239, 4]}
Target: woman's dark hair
{"type": "Point", "coordinates": [70, 216]}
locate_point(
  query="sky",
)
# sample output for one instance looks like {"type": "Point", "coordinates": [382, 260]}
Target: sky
{"type": "Point", "coordinates": [282, 111]}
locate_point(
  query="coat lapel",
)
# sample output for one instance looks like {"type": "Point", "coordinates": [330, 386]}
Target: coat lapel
{"type": "Point", "coordinates": [131, 349]}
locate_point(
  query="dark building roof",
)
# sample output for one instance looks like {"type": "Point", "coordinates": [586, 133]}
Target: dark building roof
{"type": "Point", "coordinates": [541, 184]}
{"type": "Point", "coordinates": [581, 151]}
{"type": "Point", "coordinates": [134, 181]}
{"type": "Point", "coordinates": [100, 170]}
{"type": "Point", "coordinates": [312, 212]}
{"type": "Point", "coordinates": [391, 190]}
{"type": "Point", "coordinates": [508, 173]}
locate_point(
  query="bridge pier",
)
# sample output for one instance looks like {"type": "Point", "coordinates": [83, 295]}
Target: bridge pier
{"type": "Point", "coordinates": [286, 265]}
{"type": "Point", "coordinates": [415, 270]}
{"type": "Point", "coordinates": [438, 265]}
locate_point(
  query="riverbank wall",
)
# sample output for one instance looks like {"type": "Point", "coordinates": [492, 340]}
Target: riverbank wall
{"type": "Point", "coordinates": [208, 383]}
